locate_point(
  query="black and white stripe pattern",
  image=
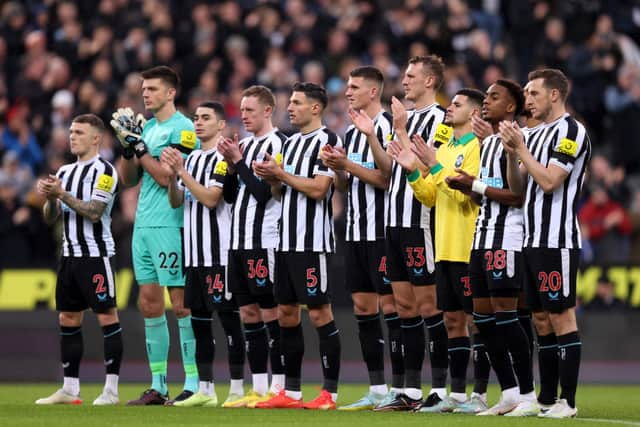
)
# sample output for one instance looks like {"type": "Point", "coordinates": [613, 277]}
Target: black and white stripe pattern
{"type": "Point", "coordinates": [306, 224]}
{"type": "Point", "coordinates": [206, 231]}
{"type": "Point", "coordinates": [498, 226]}
{"type": "Point", "coordinates": [404, 209]}
{"type": "Point", "coordinates": [550, 220]}
{"type": "Point", "coordinates": [366, 204]}
{"type": "Point", "coordinates": [255, 225]}
{"type": "Point", "coordinates": [95, 179]}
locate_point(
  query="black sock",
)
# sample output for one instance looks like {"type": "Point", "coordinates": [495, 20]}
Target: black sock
{"type": "Point", "coordinates": [205, 346]}
{"type": "Point", "coordinates": [510, 329]}
{"type": "Point", "coordinates": [438, 353]}
{"type": "Point", "coordinates": [235, 342]}
{"type": "Point", "coordinates": [548, 366]}
{"type": "Point", "coordinates": [112, 348]}
{"type": "Point", "coordinates": [275, 354]}
{"type": "Point", "coordinates": [496, 349]}
{"type": "Point", "coordinates": [71, 348]}
{"type": "Point", "coordinates": [372, 346]}
{"type": "Point", "coordinates": [257, 346]}
{"type": "Point", "coordinates": [329, 337]}
{"type": "Point", "coordinates": [413, 340]}
{"type": "Point", "coordinates": [481, 365]}
{"type": "Point", "coordinates": [570, 351]}
{"type": "Point", "coordinates": [292, 347]}
{"type": "Point", "coordinates": [459, 350]}
{"type": "Point", "coordinates": [524, 316]}
{"type": "Point", "coordinates": [394, 331]}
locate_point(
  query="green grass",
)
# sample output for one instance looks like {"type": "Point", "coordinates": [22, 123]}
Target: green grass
{"type": "Point", "coordinates": [598, 405]}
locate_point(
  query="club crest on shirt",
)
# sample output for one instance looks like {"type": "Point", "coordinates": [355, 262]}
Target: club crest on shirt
{"type": "Point", "coordinates": [459, 160]}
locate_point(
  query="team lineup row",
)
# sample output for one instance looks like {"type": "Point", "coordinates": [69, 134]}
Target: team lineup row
{"type": "Point", "coordinates": [457, 220]}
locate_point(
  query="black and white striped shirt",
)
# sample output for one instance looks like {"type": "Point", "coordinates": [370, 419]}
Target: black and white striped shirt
{"type": "Point", "coordinates": [306, 224]}
{"type": "Point", "coordinates": [550, 220]}
{"type": "Point", "coordinates": [498, 226]}
{"type": "Point", "coordinates": [206, 231]}
{"type": "Point", "coordinates": [254, 223]}
{"type": "Point", "coordinates": [366, 204]}
{"type": "Point", "coordinates": [94, 179]}
{"type": "Point", "coordinates": [404, 209]}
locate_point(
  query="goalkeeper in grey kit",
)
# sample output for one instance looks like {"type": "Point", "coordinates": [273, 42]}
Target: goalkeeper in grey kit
{"type": "Point", "coordinates": [157, 239]}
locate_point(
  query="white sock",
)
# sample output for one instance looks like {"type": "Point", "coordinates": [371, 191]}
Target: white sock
{"type": "Point", "coordinates": [71, 386]}
{"type": "Point", "coordinates": [380, 389]}
{"type": "Point", "coordinates": [458, 397]}
{"type": "Point", "coordinates": [529, 397]}
{"type": "Point", "coordinates": [277, 383]}
{"type": "Point", "coordinates": [111, 383]}
{"type": "Point", "coordinates": [397, 390]}
{"type": "Point", "coordinates": [482, 396]}
{"type": "Point", "coordinates": [441, 392]}
{"type": "Point", "coordinates": [236, 387]}
{"type": "Point", "coordinates": [260, 383]}
{"type": "Point", "coordinates": [297, 395]}
{"type": "Point", "coordinates": [206, 387]}
{"type": "Point", "coordinates": [511, 394]}
{"type": "Point", "coordinates": [414, 393]}
{"type": "Point", "coordinates": [334, 397]}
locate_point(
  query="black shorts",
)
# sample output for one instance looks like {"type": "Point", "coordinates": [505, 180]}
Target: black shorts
{"type": "Point", "coordinates": [410, 256]}
{"type": "Point", "coordinates": [495, 273]}
{"type": "Point", "coordinates": [550, 277]}
{"type": "Point", "coordinates": [251, 276]}
{"type": "Point", "coordinates": [85, 283]}
{"type": "Point", "coordinates": [453, 286]}
{"type": "Point", "coordinates": [366, 265]}
{"type": "Point", "coordinates": [302, 278]}
{"type": "Point", "coordinates": [206, 289]}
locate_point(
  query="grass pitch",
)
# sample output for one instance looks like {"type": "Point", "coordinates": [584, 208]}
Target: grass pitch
{"type": "Point", "coordinates": [598, 405]}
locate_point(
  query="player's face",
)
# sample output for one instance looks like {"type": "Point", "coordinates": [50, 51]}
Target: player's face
{"type": "Point", "coordinates": [538, 99]}
{"type": "Point", "coordinates": [206, 123]}
{"type": "Point", "coordinates": [156, 94]}
{"type": "Point", "coordinates": [359, 93]}
{"type": "Point", "coordinates": [414, 81]}
{"type": "Point", "coordinates": [497, 104]}
{"type": "Point", "coordinates": [83, 139]}
{"type": "Point", "coordinates": [460, 110]}
{"type": "Point", "coordinates": [300, 109]}
{"type": "Point", "coordinates": [253, 114]}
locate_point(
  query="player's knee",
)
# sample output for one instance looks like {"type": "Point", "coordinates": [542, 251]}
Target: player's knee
{"type": "Point", "coordinates": [456, 323]}
{"type": "Point", "coordinates": [108, 318]}
{"type": "Point", "coordinates": [361, 308]}
{"type": "Point", "coordinates": [406, 307]}
{"type": "Point", "coordinates": [149, 307]}
{"type": "Point", "coordinates": [181, 311]}
{"type": "Point", "coordinates": [320, 315]}
{"type": "Point", "coordinates": [542, 323]}
{"type": "Point", "coordinates": [250, 313]}
{"type": "Point", "coordinates": [66, 318]}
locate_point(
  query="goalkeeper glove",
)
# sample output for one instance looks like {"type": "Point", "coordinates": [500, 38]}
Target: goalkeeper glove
{"type": "Point", "coordinates": [129, 131]}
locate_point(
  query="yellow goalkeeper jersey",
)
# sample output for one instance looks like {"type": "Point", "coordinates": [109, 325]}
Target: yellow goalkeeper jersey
{"type": "Point", "coordinates": [455, 212]}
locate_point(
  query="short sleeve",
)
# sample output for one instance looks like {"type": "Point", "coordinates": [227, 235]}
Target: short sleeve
{"type": "Point", "coordinates": [104, 188]}
{"type": "Point", "coordinates": [384, 129]}
{"type": "Point", "coordinates": [319, 167]}
{"type": "Point", "coordinates": [218, 174]}
{"type": "Point", "coordinates": [184, 140]}
{"type": "Point", "coordinates": [568, 145]}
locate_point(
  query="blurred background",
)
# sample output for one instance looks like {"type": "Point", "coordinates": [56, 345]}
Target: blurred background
{"type": "Point", "coordinates": [59, 59]}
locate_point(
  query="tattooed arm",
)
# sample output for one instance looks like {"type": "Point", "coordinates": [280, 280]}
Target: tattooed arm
{"type": "Point", "coordinates": [52, 188]}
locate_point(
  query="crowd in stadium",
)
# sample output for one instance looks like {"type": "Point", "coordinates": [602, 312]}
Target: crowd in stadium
{"type": "Point", "coordinates": [63, 58]}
